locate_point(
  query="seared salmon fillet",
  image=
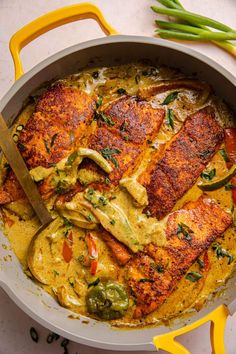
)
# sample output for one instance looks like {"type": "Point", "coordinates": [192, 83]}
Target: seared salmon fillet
{"type": "Point", "coordinates": [132, 123]}
{"type": "Point", "coordinates": [154, 273]}
{"type": "Point", "coordinates": [57, 126]}
{"type": "Point", "coordinates": [55, 129]}
{"type": "Point", "coordinates": [183, 161]}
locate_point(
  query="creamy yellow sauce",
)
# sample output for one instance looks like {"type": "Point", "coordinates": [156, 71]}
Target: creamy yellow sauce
{"type": "Point", "coordinates": [68, 282]}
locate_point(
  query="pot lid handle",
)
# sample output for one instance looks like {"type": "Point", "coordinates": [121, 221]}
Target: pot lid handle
{"type": "Point", "coordinates": [50, 21]}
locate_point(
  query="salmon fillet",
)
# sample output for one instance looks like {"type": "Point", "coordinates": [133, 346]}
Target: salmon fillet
{"type": "Point", "coordinates": [154, 273]}
{"type": "Point", "coordinates": [132, 123]}
{"type": "Point", "coordinates": [183, 161]}
{"type": "Point", "coordinates": [55, 129]}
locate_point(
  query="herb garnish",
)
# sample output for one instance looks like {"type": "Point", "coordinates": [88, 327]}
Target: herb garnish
{"type": "Point", "coordinates": [205, 154]}
{"type": "Point", "coordinates": [170, 118]}
{"type": "Point", "coordinates": [230, 186]}
{"type": "Point", "coordinates": [46, 146]}
{"type": "Point", "coordinates": [123, 126]}
{"type": "Point", "coordinates": [34, 335]}
{"type": "Point", "coordinates": [200, 263]}
{"type": "Point", "coordinates": [95, 74]}
{"type": "Point", "coordinates": [103, 200]}
{"type": "Point", "coordinates": [94, 283]}
{"type": "Point", "coordinates": [107, 120]}
{"type": "Point", "coordinates": [221, 252]}
{"type": "Point", "coordinates": [185, 230]}
{"type": "Point", "coordinates": [68, 225]}
{"type": "Point", "coordinates": [224, 155]}
{"type": "Point", "coordinates": [170, 98]}
{"type": "Point", "coordinates": [108, 153]}
{"type": "Point", "coordinates": [137, 78]}
{"type": "Point", "coordinates": [157, 267]}
{"type": "Point", "coordinates": [72, 137]}
{"type": "Point", "coordinates": [121, 91]}
{"type": "Point", "coordinates": [112, 222]}
{"type": "Point", "coordinates": [55, 273]}
{"type": "Point", "coordinates": [99, 102]}
{"type": "Point", "coordinates": [150, 72]}
{"type": "Point", "coordinates": [193, 276]}
{"type": "Point", "coordinates": [53, 139]}
{"type": "Point", "coordinates": [72, 158]}
{"type": "Point", "coordinates": [208, 175]}
{"type": "Point", "coordinates": [146, 280]}
{"type": "Point", "coordinates": [126, 137]}
{"type": "Point", "coordinates": [21, 146]}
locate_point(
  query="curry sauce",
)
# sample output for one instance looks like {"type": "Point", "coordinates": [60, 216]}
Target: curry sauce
{"type": "Point", "coordinates": [95, 172]}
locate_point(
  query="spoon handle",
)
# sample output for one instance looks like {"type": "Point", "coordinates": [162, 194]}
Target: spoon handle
{"type": "Point", "coordinates": [18, 166]}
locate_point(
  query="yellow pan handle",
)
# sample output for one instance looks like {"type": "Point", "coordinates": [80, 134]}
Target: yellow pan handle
{"type": "Point", "coordinates": [52, 20]}
{"type": "Point", "coordinates": [218, 319]}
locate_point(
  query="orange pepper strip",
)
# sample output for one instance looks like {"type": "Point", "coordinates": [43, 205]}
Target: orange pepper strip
{"type": "Point", "coordinates": [93, 253]}
{"type": "Point", "coordinates": [230, 145]}
{"type": "Point", "coordinates": [67, 249]}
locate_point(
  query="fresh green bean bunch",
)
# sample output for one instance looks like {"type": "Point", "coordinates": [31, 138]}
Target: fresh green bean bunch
{"type": "Point", "coordinates": [194, 28]}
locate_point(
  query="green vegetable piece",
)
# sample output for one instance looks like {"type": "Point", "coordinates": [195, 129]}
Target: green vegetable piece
{"type": "Point", "coordinates": [170, 98]}
{"type": "Point", "coordinates": [230, 186]}
{"type": "Point", "coordinates": [121, 91]}
{"type": "Point", "coordinates": [212, 186]}
{"type": "Point", "coordinates": [170, 118]}
{"type": "Point", "coordinates": [193, 276]}
{"type": "Point", "coordinates": [208, 175]}
{"type": "Point", "coordinates": [146, 280]}
{"type": "Point", "coordinates": [107, 120]}
{"type": "Point", "coordinates": [105, 212]}
{"type": "Point", "coordinates": [200, 263]}
{"type": "Point", "coordinates": [53, 139]}
{"type": "Point", "coordinates": [107, 300]}
{"type": "Point", "coordinates": [108, 153]}
{"type": "Point", "coordinates": [46, 146]}
{"type": "Point", "coordinates": [72, 157]}
{"type": "Point", "coordinates": [224, 155]}
{"type": "Point", "coordinates": [99, 102]}
{"type": "Point", "coordinates": [94, 283]}
{"type": "Point", "coordinates": [185, 230]}
{"type": "Point", "coordinates": [96, 157]}
{"type": "Point", "coordinates": [221, 252]}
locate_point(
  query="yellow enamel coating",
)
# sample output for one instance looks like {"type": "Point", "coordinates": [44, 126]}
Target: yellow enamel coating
{"type": "Point", "coordinates": [52, 20]}
{"type": "Point", "coordinates": [218, 319]}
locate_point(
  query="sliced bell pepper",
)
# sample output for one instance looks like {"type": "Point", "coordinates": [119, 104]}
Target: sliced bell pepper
{"type": "Point", "coordinates": [230, 145]}
{"type": "Point", "coordinates": [67, 249]}
{"type": "Point", "coordinates": [93, 253]}
{"type": "Point", "coordinates": [212, 186]}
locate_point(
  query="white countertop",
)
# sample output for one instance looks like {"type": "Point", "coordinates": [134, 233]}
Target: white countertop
{"type": "Point", "coordinates": [127, 17]}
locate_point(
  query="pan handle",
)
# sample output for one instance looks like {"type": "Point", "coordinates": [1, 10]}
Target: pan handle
{"type": "Point", "coordinates": [218, 319]}
{"type": "Point", "coordinates": [52, 20]}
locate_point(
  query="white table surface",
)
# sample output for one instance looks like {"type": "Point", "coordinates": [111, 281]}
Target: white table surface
{"type": "Point", "coordinates": [128, 17]}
